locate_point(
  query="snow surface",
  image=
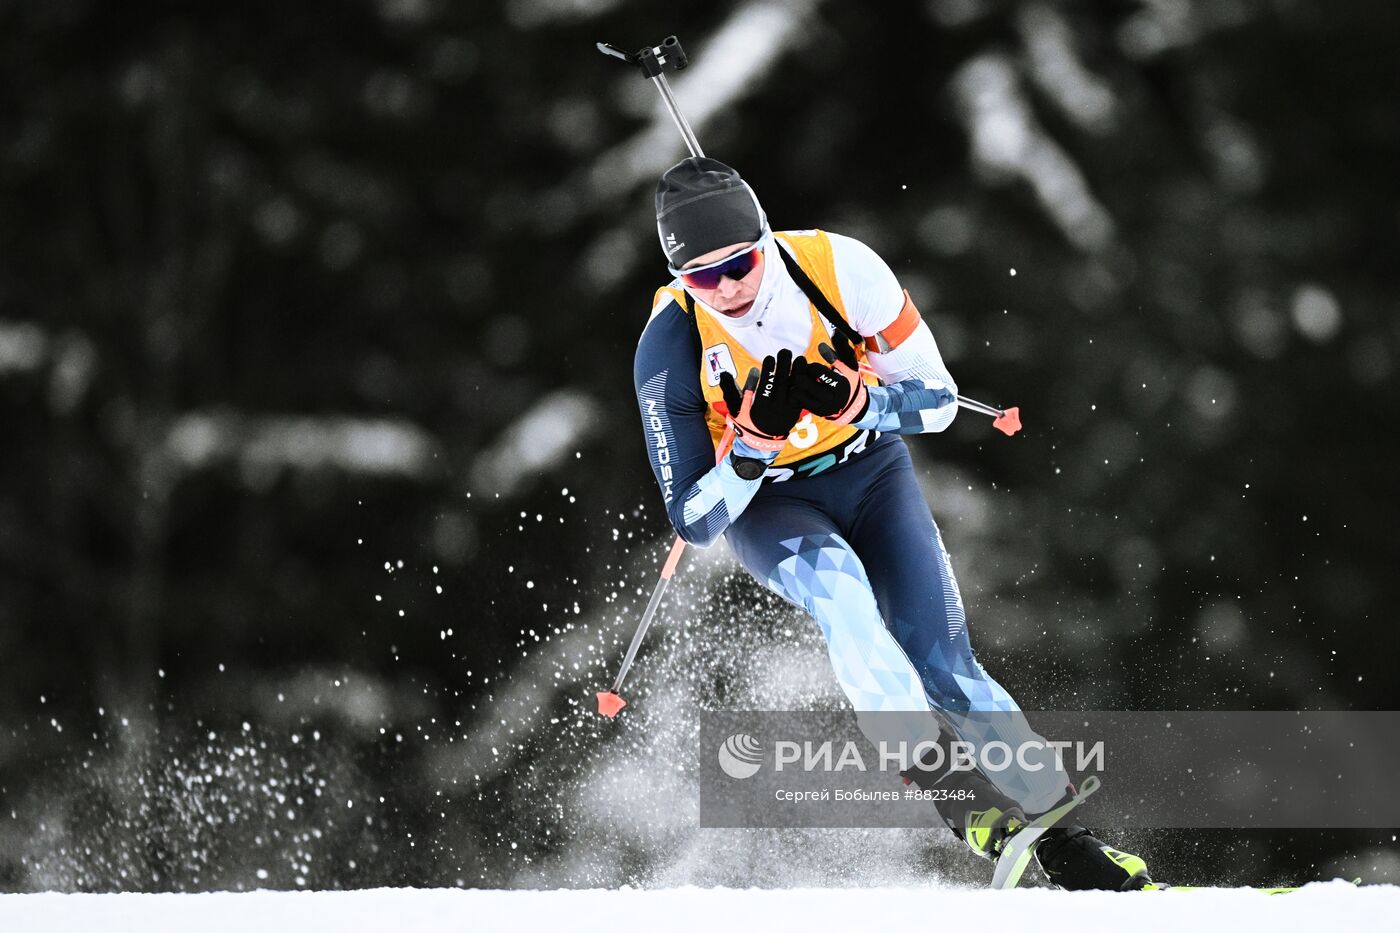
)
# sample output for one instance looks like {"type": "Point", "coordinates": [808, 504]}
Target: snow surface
{"type": "Point", "coordinates": [1334, 905]}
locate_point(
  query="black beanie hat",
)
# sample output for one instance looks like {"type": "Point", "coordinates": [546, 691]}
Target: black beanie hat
{"type": "Point", "coordinates": [701, 205]}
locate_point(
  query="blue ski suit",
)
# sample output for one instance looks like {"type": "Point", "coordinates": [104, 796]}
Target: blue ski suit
{"type": "Point", "coordinates": [845, 533]}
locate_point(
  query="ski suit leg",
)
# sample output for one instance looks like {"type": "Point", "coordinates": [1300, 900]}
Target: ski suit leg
{"type": "Point", "coordinates": [792, 545]}
{"type": "Point", "coordinates": [917, 594]}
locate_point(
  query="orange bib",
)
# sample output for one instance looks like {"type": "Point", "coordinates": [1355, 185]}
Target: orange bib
{"type": "Point", "coordinates": [721, 352]}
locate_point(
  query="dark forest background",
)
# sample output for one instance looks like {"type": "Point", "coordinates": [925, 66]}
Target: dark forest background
{"type": "Point", "coordinates": [316, 327]}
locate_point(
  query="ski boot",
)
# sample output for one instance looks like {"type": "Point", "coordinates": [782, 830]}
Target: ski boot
{"type": "Point", "coordinates": [1074, 860]}
{"type": "Point", "coordinates": [985, 819]}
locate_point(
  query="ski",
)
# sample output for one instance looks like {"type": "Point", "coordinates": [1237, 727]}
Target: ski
{"type": "Point", "coordinates": [1154, 886]}
{"type": "Point", "coordinates": [1011, 863]}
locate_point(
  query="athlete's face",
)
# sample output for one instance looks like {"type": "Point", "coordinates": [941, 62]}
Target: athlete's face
{"type": "Point", "coordinates": [732, 297]}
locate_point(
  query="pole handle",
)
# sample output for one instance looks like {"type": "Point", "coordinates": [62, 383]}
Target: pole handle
{"type": "Point", "coordinates": [654, 60]}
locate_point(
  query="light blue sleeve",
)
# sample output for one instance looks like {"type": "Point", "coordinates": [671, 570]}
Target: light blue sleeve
{"type": "Point", "coordinates": [701, 499]}
{"type": "Point", "coordinates": [719, 497]}
{"type": "Point", "coordinates": [915, 406]}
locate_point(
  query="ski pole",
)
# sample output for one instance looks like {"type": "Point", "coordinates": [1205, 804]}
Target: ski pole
{"type": "Point", "coordinates": [654, 62]}
{"type": "Point", "coordinates": [1007, 421]}
{"type": "Point", "coordinates": [610, 703]}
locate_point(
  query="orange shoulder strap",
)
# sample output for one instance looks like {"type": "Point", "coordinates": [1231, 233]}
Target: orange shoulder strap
{"type": "Point", "coordinates": [904, 324]}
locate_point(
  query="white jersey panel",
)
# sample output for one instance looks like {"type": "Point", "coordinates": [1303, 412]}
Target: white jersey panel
{"type": "Point", "coordinates": [781, 319]}
{"type": "Point", "coordinates": [868, 287]}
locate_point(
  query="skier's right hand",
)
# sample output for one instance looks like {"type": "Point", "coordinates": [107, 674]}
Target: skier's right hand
{"type": "Point", "coordinates": [765, 411]}
{"type": "Point", "coordinates": [836, 391]}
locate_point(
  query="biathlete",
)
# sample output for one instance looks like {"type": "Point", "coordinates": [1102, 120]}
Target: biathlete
{"type": "Point", "coordinates": [818, 497]}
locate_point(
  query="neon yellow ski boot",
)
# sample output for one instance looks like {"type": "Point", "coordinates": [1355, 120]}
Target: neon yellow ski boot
{"type": "Point", "coordinates": [1074, 860]}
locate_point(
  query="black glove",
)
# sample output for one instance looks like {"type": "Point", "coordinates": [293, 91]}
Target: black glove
{"type": "Point", "coordinates": [765, 411]}
{"type": "Point", "coordinates": [834, 392]}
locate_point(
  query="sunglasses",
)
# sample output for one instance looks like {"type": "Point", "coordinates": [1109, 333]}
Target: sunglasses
{"type": "Point", "coordinates": [734, 266]}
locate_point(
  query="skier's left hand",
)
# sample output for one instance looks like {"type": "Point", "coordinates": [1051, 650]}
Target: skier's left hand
{"type": "Point", "coordinates": [835, 392]}
{"type": "Point", "coordinates": [765, 411]}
